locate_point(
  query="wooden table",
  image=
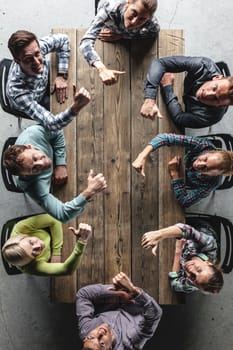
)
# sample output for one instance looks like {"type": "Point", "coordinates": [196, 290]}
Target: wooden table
{"type": "Point", "coordinates": [107, 136]}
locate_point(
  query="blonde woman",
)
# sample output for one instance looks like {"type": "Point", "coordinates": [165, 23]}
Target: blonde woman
{"type": "Point", "coordinates": [35, 246]}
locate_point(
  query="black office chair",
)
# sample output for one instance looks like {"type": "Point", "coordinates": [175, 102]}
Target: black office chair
{"type": "Point", "coordinates": [222, 141]}
{"type": "Point", "coordinates": [4, 71]}
{"type": "Point", "coordinates": [223, 68]}
{"type": "Point", "coordinates": [8, 179]}
{"type": "Point", "coordinates": [96, 5]}
{"type": "Point", "coordinates": [220, 226]}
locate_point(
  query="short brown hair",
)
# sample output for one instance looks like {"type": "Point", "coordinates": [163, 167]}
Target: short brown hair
{"type": "Point", "coordinates": [226, 165]}
{"type": "Point", "coordinates": [11, 159]}
{"type": "Point", "coordinates": [19, 40]}
{"type": "Point", "coordinates": [215, 283]}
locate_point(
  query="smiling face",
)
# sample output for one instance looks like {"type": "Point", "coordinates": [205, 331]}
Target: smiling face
{"type": "Point", "coordinates": [30, 59]}
{"type": "Point", "coordinates": [214, 92]}
{"type": "Point", "coordinates": [208, 164]}
{"type": "Point", "coordinates": [33, 246]}
{"type": "Point", "coordinates": [33, 161]}
{"type": "Point", "coordinates": [100, 338]}
{"type": "Point", "coordinates": [135, 15]}
{"type": "Point", "coordinates": [198, 270]}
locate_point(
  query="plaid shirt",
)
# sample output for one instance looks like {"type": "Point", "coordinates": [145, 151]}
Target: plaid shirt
{"type": "Point", "coordinates": [198, 243]}
{"type": "Point", "coordinates": [196, 185]}
{"type": "Point", "coordinates": [110, 15]}
{"type": "Point", "coordinates": [26, 92]}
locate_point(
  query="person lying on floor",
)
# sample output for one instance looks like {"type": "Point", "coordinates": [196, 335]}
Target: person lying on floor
{"type": "Point", "coordinates": [35, 245]}
{"type": "Point", "coordinates": [195, 261]}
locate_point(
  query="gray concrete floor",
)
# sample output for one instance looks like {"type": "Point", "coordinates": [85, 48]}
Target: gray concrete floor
{"type": "Point", "coordinates": [27, 318]}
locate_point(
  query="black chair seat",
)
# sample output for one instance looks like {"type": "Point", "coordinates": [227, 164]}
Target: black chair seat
{"type": "Point", "coordinates": [4, 70]}
{"type": "Point", "coordinates": [8, 179]}
{"type": "Point", "coordinates": [220, 225]}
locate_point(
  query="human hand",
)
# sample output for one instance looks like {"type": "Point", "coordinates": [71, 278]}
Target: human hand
{"type": "Point", "coordinates": [83, 232]}
{"type": "Point", "coordinates": [179, 246]}
{"type": "Point", "coordinates": [81, 98]}
{"type": "Point", "coordinates": [139, 164]}
{"type": "Point", "coordinates": [150, 109]}
{"type": "Point", "coordinates": [95, 184]}
{"type": "Point", "coordinates": [151, 239]}
{"type": "Point", "coordinates": [167, 79]}
{"type": "Point", "coordinates": [122, 281]}
{"type": "Point", "coordinates": [60, 175]}
{"type": "Point", "coordinates": [107, 34]}
{"type": "Point", "coordinates": [55, 259]}
{"type": "Point", "coordinates": [174, 167]}
{"type": "Point", "coordinates": [109, 76]}
{"type": "Point", "coordinates": [61, 89]}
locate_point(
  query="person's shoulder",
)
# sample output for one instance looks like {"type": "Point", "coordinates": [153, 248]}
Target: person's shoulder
{"type": "Point", "coordinates": [110, 5]}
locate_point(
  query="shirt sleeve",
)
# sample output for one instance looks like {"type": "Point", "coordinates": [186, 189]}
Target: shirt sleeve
{"type": "Point", "coordinates": [179, 283]}
{"type": "Point", "coordinates": [206, 242]}
{"type": "Point", "coordinates": [152, 314]}
{"type": "Point", "coordinates": [43, 268]}
{"type": "Point", "coordinates": [189, 142]}
{"type": "Point", "coordinates": [88, 41]}
{"type": "Point", "coordinates": [172, 64]}
{"type": "Point", "coordinates": [58, 145]}
{"type": "Point", "coordinates": [86, 298]}
{"type": "Point", "coordinates": [63, 212]}
{"type": "Point", "coordinates": [25, 103]}
{"type": "Point", "coordinates": [60, 44]}
{"type": "Point", "coordinates": [187, 196]}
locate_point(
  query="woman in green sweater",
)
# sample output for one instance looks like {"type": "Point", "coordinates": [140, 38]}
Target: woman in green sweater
{"type": "Point", "coordinates": [35, 246]}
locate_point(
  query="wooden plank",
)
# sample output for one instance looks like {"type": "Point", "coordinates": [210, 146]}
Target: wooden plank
{"type": "Point", "coordinates": [144, 191]}
{"type": "Point", "coordinates": [117, 164]}
{"type": "Point", "coordinates": [171, 42]}
{"type": "Point", "coordinates": [90, 150]}
{"type": "Point", "coordinates": [63, 288]}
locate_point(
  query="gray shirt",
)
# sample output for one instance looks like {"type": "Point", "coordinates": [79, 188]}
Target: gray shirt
{"type": "Point", "coordinates": [133, 323]}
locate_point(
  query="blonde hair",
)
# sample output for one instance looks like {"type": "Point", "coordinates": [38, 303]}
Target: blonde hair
{"type": "Point", "coordinates": [226, 165]}
{"type": "Point", "coordinates": [13, 253]}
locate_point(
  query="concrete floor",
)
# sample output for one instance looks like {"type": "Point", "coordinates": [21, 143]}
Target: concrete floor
{"type": "Point", "coordinates": [27, 319]}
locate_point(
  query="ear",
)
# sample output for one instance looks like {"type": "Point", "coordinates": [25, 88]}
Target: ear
{"type": "Point", "coordinates": [218, 77]}
{"type": "Point", "coordinates": [29, 146]}
{"type": "Point", "coordinates": [16, 60]}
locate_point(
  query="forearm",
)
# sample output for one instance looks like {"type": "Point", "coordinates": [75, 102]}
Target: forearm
{"type": "Point", "coordinates": [176, 262]}
{"type": "Point", "coordinates": [170, 232]}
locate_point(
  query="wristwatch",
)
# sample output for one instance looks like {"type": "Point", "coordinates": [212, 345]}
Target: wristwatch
{"type": "Point", "coordinates": [63, 75]}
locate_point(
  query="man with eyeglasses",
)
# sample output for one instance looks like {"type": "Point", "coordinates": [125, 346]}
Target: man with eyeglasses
{"type": "Point", "coordinates": [117, 316]}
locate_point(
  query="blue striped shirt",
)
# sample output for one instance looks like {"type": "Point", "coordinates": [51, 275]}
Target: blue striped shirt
{"type": "Point", "coordinates": [199, 244]}
{"type": "Point", "coordinates": [196, 185]}
{"type": "Point", "coordinates": [110, 15]}
{"type": "Point", "coordinates": [26, 92]}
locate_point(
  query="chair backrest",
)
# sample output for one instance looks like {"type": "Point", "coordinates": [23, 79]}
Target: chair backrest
{"type": "Point", "coordinates": [223, 68]}
{"type": "Point", "coordinates": [4, 71]}
{"type": "Point", "coordinates": [8, 179]}
{"type": "Point", "coordinates": [223, 141]}
{"type": "Point", "coordinates": [220, 225]}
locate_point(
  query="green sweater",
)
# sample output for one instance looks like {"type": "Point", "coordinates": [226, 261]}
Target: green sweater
{"type": "Point", "coordinates": [49, 230]}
